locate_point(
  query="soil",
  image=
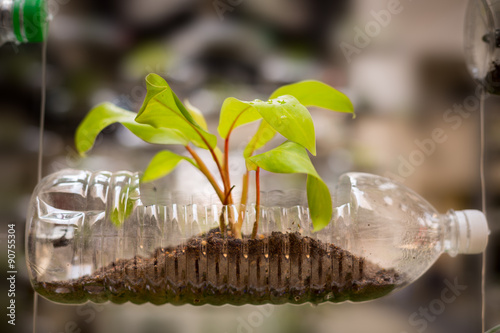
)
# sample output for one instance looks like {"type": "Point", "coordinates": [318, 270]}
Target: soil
{"type": "Point", "coordinates": [208, 269]}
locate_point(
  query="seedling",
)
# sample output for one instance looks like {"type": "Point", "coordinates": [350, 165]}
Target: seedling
{"type": "Point", "coordinates": [163, 119]}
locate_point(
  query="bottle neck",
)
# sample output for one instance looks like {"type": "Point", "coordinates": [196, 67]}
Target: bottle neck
{"type": "Point", "coordinates": [465, 232]}
{"type": "Point", "coordinates": [6, 22]}
{"type": "Point", "coordinates": [23, 21]}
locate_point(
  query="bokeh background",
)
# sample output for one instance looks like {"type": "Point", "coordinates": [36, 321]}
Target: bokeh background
{"type": "Point", "coordinates": [402, 83]}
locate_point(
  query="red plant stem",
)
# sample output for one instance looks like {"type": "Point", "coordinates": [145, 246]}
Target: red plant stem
{"type": "Point", "coordinates": [222, 224]}
{"type": "Point", "coordinates": [257, 203]}
{"type": "Point", "coordinates": [214, 156]}
{"type": "Point", "coordinates": [227, 177]}
{"type": "Point", "coordinates": [206, 172]}
{"type": "Point", "coordinates": [227, 185]}
{"type": "Point", "coordinates": [219, 167]}
{"type": "Point", "coordinates": [233, 224]}
{"type": "Point", "coordinates": [225, 197]}
{"type": "Point", "coordinates": [230, 190]}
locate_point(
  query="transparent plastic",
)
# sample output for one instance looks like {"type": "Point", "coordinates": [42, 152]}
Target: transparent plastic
{"type": "Point", "coordinates": [482, 43]}
{"type": "Point", "coordinates": [381, 238]}
{"type": "Point", "coordinates": [6, 24]}
{"type": "Point", "coordinates": [23, 21]}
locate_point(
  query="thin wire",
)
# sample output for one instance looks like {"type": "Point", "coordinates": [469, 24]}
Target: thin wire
{"type": "Point", "coordinates": [40, 150]}
{"type": "Point", "coordinates": [42, 110]}
{"type": "Point", "coordinates": [35, 310]}
{"type": "Point", "coordinates": [483, 203]}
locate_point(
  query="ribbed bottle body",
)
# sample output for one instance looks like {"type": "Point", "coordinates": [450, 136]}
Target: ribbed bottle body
{"type": "Point", "coordinates": [90, 237]}
{"type": "Point", "coordinates": [392, 225]}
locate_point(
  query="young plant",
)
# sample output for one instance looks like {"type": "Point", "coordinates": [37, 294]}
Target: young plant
{"type": "Point", "coordinates": [495, 329]}
{"type": "Point", "coordinates": [163, 119]}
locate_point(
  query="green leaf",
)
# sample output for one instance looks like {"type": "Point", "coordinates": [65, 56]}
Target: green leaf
{"type": "Point", "coordinates": [291, 119]}
{"type": "Point", "coordinates": [308, 93]}
{"type": "Point", "coordinates": [124, 204]}
{"type": "Point", "coordinates": [263, 135]}
{"type": "Point", "coordinates": [320, 202]}
{"type": "Point", "coordinates": [106, 114]}
{"type": "Point", "coordinates": [494, 329]}
{"type": "Point", "coordinates": [293, 158]}
{"type": "Point", "coordinates": [122, 212]}
{"type": "Point", "coordinates": [235, 113]}
{"type": "Point", "coordinates": [316, 93]}
{"type": "Point", "coordinates": [196, 114]}
{"type": "Point", "coordinates": [163, 109]}
{"type": "Point", "coordinates": [288, 157]}
{"type": "Point", "coordinates": [284, 114]}
{"type": "Point", "coordinates": [200, 120]}
{"type": "Point", "coordinates": [162, 164]}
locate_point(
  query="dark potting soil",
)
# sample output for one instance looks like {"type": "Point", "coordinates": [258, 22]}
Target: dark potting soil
{"type": "Point", "coordinates": [208, 269]}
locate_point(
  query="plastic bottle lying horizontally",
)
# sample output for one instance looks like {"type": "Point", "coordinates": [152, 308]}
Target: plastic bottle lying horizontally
{"type": "Point", "coordinates": [23, 21]}
{"type": "Point", "coordinates": [381, 238]}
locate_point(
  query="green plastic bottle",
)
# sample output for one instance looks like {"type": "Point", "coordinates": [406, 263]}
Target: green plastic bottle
{"type": "Point", "coordinates": [23, 21]}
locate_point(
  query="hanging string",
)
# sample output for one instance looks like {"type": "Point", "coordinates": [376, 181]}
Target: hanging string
{"type": "Point", "coordinates": [483, 203]}
{"type": "Point", "coordinates": [42, 111]}
{"type": "Point", "coordinates": [40, 149]}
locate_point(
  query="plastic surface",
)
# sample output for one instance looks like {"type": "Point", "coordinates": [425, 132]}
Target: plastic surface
{"type": "Point", "coordinates": [482, 43]}
{"type": "Point", "coordinates": [382, 237]}
{"type": "Point", "coordinates": [6, 24]}
{"type": "Point", "coordinates": [479, 38]}
{"type": "Point", "coordinates": [23, 21]}
{"type": "Point", "coordinates": [34, 21]}
{"type": "Point", "coordinates": [473, 230]}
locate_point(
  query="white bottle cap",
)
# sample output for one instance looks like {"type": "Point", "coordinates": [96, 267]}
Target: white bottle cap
{"type": "Point", "coordinates": [473, 231]}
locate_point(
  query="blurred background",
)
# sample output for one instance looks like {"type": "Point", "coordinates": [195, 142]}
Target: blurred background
{"type": "Point", "coordinates": [403, 75]}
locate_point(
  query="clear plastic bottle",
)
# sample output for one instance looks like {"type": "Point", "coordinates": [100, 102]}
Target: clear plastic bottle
{"type": "Point", "coordinates": [381, 238]}
{"type": "Point", "coordinates": [23, 21]}
{"type": "Point", "coordinates": [482, 43]}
